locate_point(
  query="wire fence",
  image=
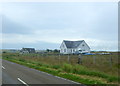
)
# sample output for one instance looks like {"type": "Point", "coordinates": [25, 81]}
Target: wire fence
{"type": "Point", "coordinates": [109, 63]}
{"type": "Point", "coordinates": [108, 60]}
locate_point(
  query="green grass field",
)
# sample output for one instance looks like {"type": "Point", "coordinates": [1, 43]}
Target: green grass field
{"type": "Point", "coordinates": [97, 69]}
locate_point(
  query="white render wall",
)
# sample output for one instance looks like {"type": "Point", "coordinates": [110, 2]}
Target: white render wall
{"type": "Point", "coordinates": [63, 48]}
{"type": "Point", "coordinates": [84, 48]}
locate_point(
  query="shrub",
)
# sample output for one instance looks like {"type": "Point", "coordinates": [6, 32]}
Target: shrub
{"type": "Point", "coordinates": [78, 68]}
{"type": "Point", "coordinates": [67, 68]}
{"type": "Point", "coordinates": [56, 66]}
{"type": "Point", "coordinates": [23, 60]}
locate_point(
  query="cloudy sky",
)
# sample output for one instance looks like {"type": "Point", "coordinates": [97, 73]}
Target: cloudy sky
{"type": "Point", "coordinates": [45, 25]}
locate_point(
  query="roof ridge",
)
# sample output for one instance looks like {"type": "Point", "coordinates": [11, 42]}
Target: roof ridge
{"type": "Point", "coordinates": [73, 40]}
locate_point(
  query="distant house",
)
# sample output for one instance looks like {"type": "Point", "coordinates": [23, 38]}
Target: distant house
{"type": "Point", "coordinates": [27, 50]}
{"type": "Point", "coordinates": [71, 47]}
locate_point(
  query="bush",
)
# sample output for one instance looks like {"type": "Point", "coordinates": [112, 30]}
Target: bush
{"type": "Point", "coordinates": [56, 66]}
{"type": "Point", "coordinates": [23, 60]}
{"type": "Point", "coordinates": [67, 68]}
{"type": "Point", "coordinates": [78, 68]}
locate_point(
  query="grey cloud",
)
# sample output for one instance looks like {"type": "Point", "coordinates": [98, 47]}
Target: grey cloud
{"type": "Point", "coordinates": [11, 27]}
{"type": "Point", "coordinates": [39, 45]}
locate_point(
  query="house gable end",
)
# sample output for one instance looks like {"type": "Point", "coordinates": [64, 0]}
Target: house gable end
{"type": "Point", "coordinates": [63, 45]}
{"type": "Point", "coordinates": [85, 44]}
{"type": "Point", "coordinates": [84, 47]}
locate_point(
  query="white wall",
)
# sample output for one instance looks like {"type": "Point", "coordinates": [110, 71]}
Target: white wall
{"type": "Point", "coordinates": [63, 48]}
{"type": "Point", "coordinates": [84, 48]}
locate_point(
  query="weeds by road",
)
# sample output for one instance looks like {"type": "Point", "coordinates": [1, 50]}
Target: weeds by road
{"type": "Point", "coordinates": [75, 72]}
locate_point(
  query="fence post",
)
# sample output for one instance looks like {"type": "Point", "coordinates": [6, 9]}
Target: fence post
{"type": "Point", "coordinates": [79, 59]}
{"type": "Point", "coordinates": [111, 60]}
{"type": "Point", "coordinates": [68, 58]}
{"type": "Point", "coordinates": [59, 58]}
{"type": "Point", "coordinates": [94, 59]}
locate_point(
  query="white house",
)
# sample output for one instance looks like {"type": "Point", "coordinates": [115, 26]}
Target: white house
{"type": "Point", "coordinates": [71, 47]}
{"type": "Point", "coordinates": [27, 50]}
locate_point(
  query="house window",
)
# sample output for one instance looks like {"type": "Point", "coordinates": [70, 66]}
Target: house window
{"type": "Point", "coordinates": [83, 45]}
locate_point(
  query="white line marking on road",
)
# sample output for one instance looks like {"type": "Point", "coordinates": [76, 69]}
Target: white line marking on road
{"type": "Point", "coordinates": [22, 82]}
{"type": "Point", "coordinates": [45, 73]}
{"type": "Point", "coordinates": [3, 67]}
{"type": "Point", "coordinates": [67, 80]}
{"type": "Point", "coordinates": [56, 76]}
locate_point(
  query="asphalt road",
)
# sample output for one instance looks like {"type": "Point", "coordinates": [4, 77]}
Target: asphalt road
{"type": "Point", "coordinates": [13, 73]}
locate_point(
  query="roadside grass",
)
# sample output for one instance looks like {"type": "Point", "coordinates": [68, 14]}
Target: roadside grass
{"type": "Point", "coordinates": [79, 79]}
{"type": "Point", "coordinates": [76, 73]}
{"type": "Point", "coordinates": [57, 73]}
{"type": "Point", "coordinates": [77, 69]}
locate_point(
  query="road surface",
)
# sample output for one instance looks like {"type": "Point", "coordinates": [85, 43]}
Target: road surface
{"type": "Point", "coordinates": [13, 73]}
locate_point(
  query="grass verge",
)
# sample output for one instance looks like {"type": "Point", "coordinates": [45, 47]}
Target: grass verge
{"type": "Point", "coordinates": [68, 71]}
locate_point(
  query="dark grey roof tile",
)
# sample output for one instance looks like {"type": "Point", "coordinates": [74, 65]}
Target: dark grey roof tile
{"type": "Point", "coordinates": [72, 44]}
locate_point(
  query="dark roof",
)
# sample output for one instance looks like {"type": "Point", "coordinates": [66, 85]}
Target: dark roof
{"type": "Point", "coordinates": [72, 44]}
{"type": "Point", "coordinates": [30, 50]}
